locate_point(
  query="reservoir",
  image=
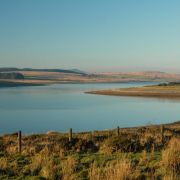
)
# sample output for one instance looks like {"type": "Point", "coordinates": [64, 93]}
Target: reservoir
{"type": "Point", "coordinates": [58, 107]}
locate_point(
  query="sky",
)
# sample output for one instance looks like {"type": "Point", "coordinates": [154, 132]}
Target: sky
{"type": "Point", "coordinates": [91, 35]}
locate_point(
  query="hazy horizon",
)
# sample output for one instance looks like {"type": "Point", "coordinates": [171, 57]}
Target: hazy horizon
{"type": "Point", "coordinates": [108, 70]}
{"type": "Point", "coordinates": [94, 36]}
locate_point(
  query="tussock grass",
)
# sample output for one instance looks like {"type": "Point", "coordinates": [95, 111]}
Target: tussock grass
{"type": "Point", "coordinates": [121, 169]}
{"type": "Point", "coordinates": [171, 158]}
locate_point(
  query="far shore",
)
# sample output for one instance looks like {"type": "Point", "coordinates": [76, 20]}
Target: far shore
{"type": "Point", "coordinates": [40, 77]}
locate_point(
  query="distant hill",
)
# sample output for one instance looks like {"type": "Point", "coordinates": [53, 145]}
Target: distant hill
{"type": "Point", "coordinates": [4, 69]}
{"type": "Point", "coordinates": [79, 71]}
{"type": "Point", "coordinates": [73, 71]}
{"type": "Point", "coordinates": [75, 75]}
{"type": "Point", "coordinates": [11, 75]}
{"type": "Point", "coordinates": [146, 75]}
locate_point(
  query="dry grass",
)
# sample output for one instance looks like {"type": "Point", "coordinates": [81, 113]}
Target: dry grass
{"type": "Point", "coordinates": [121, 169]}
{"type": "Point", "coordinates": [69, 168]}
{"type": "Point", "coordinates": [171, 158]}
{"type": "Point", "coordinates": [135, 154]}
{"type": "Point", "coordinates": [3, 163]}
{"type": "Point", "coordinates": [43, 164]}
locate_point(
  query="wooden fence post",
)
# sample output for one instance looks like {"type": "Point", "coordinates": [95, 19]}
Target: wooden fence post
{"type": "Point", "coordinates": [70, 134]}
{"type": "Point", "coordinates": [109, 134]}
{"type": "Point", "coordinates": [19, 142]}
{"type": "Point", "coordinates": [92, 135]}
{"type": "Point", "coordinates": [118, 131]}
{"type": "Point", "coordinates": [162, 134]}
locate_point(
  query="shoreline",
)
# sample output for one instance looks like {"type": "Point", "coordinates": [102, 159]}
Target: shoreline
{"type": "Point", "coordinates": [173, 125]}
{"type": "Point", "coordinates": [23, 83]}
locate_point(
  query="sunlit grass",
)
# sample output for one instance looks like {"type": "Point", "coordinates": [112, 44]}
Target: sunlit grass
{"type": "Point", "coordinates": [137, 153]}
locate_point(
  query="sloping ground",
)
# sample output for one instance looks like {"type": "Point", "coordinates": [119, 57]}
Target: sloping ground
{"type": "Point", "coordinates": [101, 77]}
{"type": "Point", "coordinates": [143, 76]}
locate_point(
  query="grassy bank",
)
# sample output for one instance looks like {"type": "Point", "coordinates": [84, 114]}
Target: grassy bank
{"type": "Point", "coordinates": [151, 152]}
{"type": "Point", "coordinates": [171, 90]}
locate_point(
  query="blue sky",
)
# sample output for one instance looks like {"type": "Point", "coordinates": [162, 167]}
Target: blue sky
{"type": "Point", "coordinates": [92, 35]}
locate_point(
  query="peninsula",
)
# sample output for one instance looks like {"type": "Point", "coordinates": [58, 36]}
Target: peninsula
{"type": "Point", "coordinates": [165, 90]}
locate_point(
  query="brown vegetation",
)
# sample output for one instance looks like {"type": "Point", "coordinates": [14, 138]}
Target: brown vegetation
{"type": "Point", "coordinates": [136, 153]}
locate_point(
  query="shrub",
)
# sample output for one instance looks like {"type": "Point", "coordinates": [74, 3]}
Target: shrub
{"type": "Point", "coordinates": [123, 144]}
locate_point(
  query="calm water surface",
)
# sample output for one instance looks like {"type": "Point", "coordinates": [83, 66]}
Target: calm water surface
{"type": "Point", "coordinates": [59, 107]}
